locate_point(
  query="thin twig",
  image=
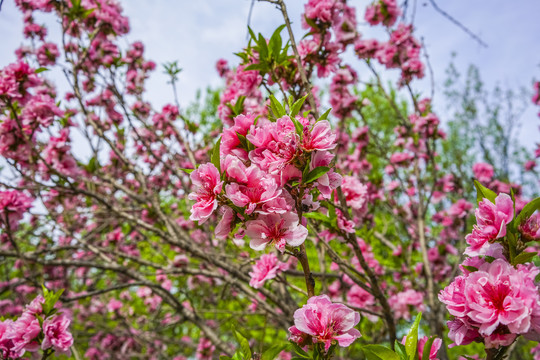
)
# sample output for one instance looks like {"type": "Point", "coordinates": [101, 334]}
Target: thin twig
{"type": "Point", "coordinates": [457, 23]}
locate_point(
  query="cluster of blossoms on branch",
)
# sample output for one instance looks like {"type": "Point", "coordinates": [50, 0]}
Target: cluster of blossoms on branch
{"type": "Point", "coordinates": [497, 297]}
{"type": "Point", "coordinates": [40, 326]}
{"type": "Point", "coordinates": [256, 162]}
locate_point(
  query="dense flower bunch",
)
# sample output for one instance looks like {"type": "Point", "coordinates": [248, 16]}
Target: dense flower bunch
{"type": "Point", "coordinates": [383, 11]}
{"type": "Point", "coordinates": [260, 160]}
{"type": "Point", "coordinates": [497, 298]}
{"type": "Point", "coordinates": [39, 327]}
{"type": "Point", "coordinates": [323, 321]}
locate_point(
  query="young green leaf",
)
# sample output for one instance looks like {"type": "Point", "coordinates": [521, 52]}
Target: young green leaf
{"type": "Point", "coordinates": [274, 351]}
{"type": "Point", "coordinates": [400, 350]}
{"type": "Point", "coordinates": [524, 257]}
{"type": "Point", "coordinates": [379, 352]}
{"type": "Point", "coordinates": [315, 174]}
{"type": "Point", "coordinates": [527, 211]}
{"type": "Point", "coordinates": [244, 345]}
{"type": "Point", "coordinates": [216, 158]}
{"type": "Point", "coordinates": [483, 192]}
{"type": "Point", "coordinates": [324, 116]}
{"type": "Point", "coordinates": [412, 339]}
{"type": "Point", "coordinates": [295, 108]}
{"type": "Point", "coordinates": [276, 107]}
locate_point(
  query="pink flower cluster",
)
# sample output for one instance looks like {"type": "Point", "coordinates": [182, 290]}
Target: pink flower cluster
{"type": "Point", "coordinates": [13, 205]}
{"type": "Point", "coordinates": [23, 334]}
{"type": "Point", "coordinates": [495, 303]}
{"type": "Point", "coordinates": [266, 268]}
{"type": "Point", "coordinates": [401, 51]}
{"type": "Point", "coordinates": [383, 11]}
{"type": "Point", "coordinates": [259, 160]}
{"type": "Point", "coordinates": [491, 224]}
{"type": "Point", "coordinates": [492, 301]}
{"type": "Point", "coordinates": [483, 172]}
{"type": "Point", "coordinates": [239, 83]}
{"type": "Point", "coordinates": [325, 322]}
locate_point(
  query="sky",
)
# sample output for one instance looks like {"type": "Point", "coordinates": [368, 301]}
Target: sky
{"type": "Point", "coordinates": [198, 33]}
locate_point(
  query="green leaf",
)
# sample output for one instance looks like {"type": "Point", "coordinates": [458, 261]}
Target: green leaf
{"type": "Point", "coordinates": [325, 115]}
{"type": "Point", "coordinates": [244, 345]}
{"type": "Point", "coordinates": [223, 357]}
{"type": "Point", "coordinates": [400, 350]}
{"type": "Point", "coordinates": [50, 300]}
{"type": "Point", "coordinates": [317, 216]}
{"type": "Point", "coordinates": [252, 34]}
{"type": "Point", "coordinates": [379, 352]}
{"type": "Point", "coordinates": [427, 347]}
{"type": "Point", "coordinates": [483, 192]}
{"type": "Point", "coordinates": [295, 108]}
{"type": "Point", "coordinates": [272, 352]}
{"type": "Point", "coordinates": [242, 139]}
{"type": "Point", "coordinates": [40, 70]}
{"type": "Point", "coordinates": [188, 171]}
{"type": "Point", "coordinates": [263, 48]}
{"type": "Point", "coordinates": [276, 42]}
{"type": "Point", "coordinates": [527, 211]}
{"type": "Point", "coordinates": [470, 268]}
{"type": "Point", "coordinates": [299, 351]}
{"type": "Point", "coordinates": [315, 174]}
{"type": "Point", "coordinates": [92, 165]}
{"type": "Point", "coordinates": [276, 107]}
{"type": "Point", "coordinates": [299, 127]}
{"type": "Point", "coordinates": [412, 339]}
{"type": "Point", "coordinates": [524, 257]}
{"type": "Point", "coordinates": [216, 158]}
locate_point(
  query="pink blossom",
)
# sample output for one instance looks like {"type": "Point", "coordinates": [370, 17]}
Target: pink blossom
{"type": "Point", "coordinates": [493, 218]}
{"type": "Point", "coordinates": [13, 205]}
{"type": "Point", "coordinates": [355, 192]}
{"type": "Point", "coordinates": [256, 188]}
{"type": "Point", "coordinates": [223, 228]}
{"type": "Point", "coordinates": [495, 299]}
{"type": "Point", "coordinates": [325, 322]}
{"type": "Point", "coordinates": [329, 181]}
{"type": "Point", "coordinates": [321, 137]}
{"type": "Point", "coordinates": [483, 172]}
{"type": "Point", "coordinates": [56, 334]}
{"type": "Point", "coordinates": [23, 333]}
{"type": "Point", "coordinates": [265, 268]}
{"type": "Point", "coordinates": [207, 179]}
{"type": "Point", "coordinates": [275, 229]}
{"type": "Point", "coordinates": [401, 303]}
{"type": "Point", "coordinates": [6, 344]}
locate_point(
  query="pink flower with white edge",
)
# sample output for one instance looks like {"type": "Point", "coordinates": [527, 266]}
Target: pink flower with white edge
{"type": "Point", "coordinates": [275, 229]}
{"type": "Point", "coordinates": [325, 322]}
{"type": "Point", "coordinates": [57, 335]}
{"type": "Point", "coordinates": [266, 268]}
{"type": "Point", "coordinates": [207, 179]}
{"type": "Point", "coordinates": [23, 333]}
{"type": "Point", "coordinates": [498, 294]}
{"type": "Point", "coordinates": [258, 190]}
{"type": "Point", "coordinates": [492, 218]}
{"type": "Point", "coordinates": [321, 137]}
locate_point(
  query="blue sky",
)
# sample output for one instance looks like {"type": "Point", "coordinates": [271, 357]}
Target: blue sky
{"type": "Point", "coordinates": [197, 33]}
